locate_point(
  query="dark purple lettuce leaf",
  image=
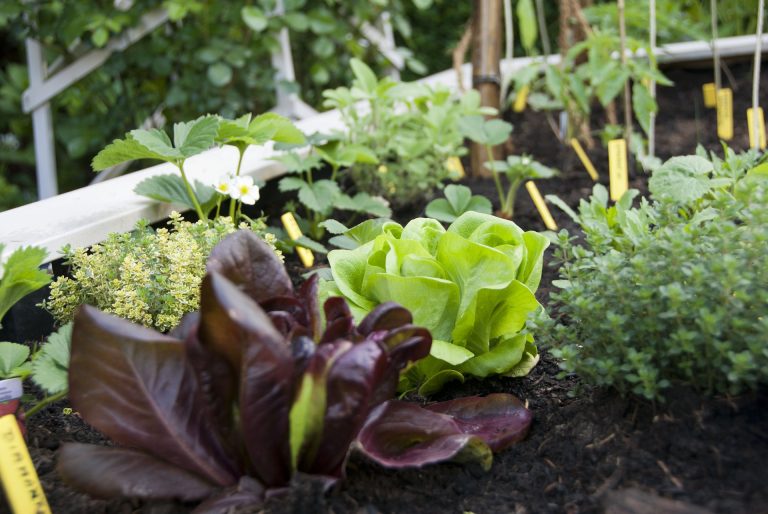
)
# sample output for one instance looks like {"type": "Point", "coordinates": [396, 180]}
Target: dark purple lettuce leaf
{"type": "Point", "coordinates": [252, 265]}
{"type": "Point", "coordinates": [339, 323]}
{"type": "Point", "coordinates": [137, 387]}
{"type": "Point", "coordinates": [402, 434]}
{"type": "Point", "coordinates": [107, 472]}
{"type": "Point", "coordinates": [232, 324]}
{"type": "Point", "coordinates": [247, 494]}
{"type": "Point", "coordinates": [350, 385]}
{"type": "Point", "coordinates": [386, 316]}
{"type": "Point", "coordinates": [499, 419]}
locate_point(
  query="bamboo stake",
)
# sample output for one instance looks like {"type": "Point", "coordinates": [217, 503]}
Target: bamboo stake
{"type": "Point", "coordinates": [715, 52]}
{"type": "Point", "coordinates": [486, 75]}
{"type": "Point", "coordinates": [652, 121]}
{"type": "Point", "coordinates": [509, 31]}
{"type": "Point", "coordinates": [627, 94]}
{"type": "Point", "coordinates": [756, 76]}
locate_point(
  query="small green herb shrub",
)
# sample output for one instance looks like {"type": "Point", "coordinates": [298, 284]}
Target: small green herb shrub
{"type": "Point", "coordinates": [457, 201]}
{"type": "Point", "coordinates": [147, 276]}
{"type": "Point", "coordinates": [674, 291]}
{"type": "Point", "coordinates": [471, 285]}
{"type": "Point", "coordinates": [412, 128]}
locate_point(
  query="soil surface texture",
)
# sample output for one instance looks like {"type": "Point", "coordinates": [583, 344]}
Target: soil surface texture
{"type": "Point", "coordinates": [589, 450]}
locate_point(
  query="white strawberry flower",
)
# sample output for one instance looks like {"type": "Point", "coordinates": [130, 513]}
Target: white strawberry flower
{"type": "Point", "coordinates": [224, 184]}
{"type": "Point", "coordinates": [244, 190]}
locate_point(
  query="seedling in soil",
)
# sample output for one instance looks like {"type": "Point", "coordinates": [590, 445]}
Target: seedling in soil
{"type": "Point", "coordinates": [518, 169]}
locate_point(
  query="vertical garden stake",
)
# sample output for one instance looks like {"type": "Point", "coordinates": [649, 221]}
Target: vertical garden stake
{"type": "Point", "coordinates": [486, 75]}
{"type": "Point", "coordinates": [715, 52]}
{"type": "Point", "coordinates": [756, 141]}
{"type": "Point", "coordinates": [652, 85]}
{"type": "Point", "coordinates": [627, 93]}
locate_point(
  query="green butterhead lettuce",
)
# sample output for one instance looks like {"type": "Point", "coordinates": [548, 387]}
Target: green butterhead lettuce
{"type": "Point", "coordinates": [471, 285]}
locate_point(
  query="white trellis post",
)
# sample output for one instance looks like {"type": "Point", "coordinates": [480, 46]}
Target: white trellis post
{"type": "Point", "coordinates": [43, 88]}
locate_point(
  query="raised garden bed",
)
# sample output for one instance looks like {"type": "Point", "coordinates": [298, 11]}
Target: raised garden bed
{"type": "Point", "coordinates": [585, 452]}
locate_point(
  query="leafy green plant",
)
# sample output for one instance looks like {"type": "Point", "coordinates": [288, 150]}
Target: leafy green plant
{"type": "Point", "coordinates": [255, 389]}
{"type": "Point", "coordinates": [471, 285]}
{"type": "Point", "coordinates": [692, 263]}
{"type": "Point", "coordinates": [411, 128]}
{"type": "Point", "coordinates": [148, 276]}
{"type": "Point", "coordinates": [518, 169]}
{"type": "Point", "coordinates": [321, 197]}
{"type": "Point", "coordinates": [576, 83]}
{"type": "Point", "coordinates": [47, 366]}
{"type": "Point", "coordinates": [21, 275]}
{"type": "Point", "coordinates": [458, 200]}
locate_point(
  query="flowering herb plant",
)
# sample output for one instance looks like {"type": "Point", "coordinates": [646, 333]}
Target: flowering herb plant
{"type": "Point", "coordinates": [252, 391]}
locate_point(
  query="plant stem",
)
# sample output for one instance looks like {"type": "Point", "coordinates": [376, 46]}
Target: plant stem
{"type": "Point", "coordinates": [190, 191]}
{"type": "Point", "coordinates": [239, 160]}
{"type": "Point", "coordinates": [496, 179]}
{"type": "Point", "coordinates": [45, 402]}
{"type": "Point", "coordinates": [509, 207]}
{"type": "Point", "coordinates": [756, 74]}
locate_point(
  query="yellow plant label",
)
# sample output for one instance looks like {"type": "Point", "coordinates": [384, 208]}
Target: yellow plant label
{"type": "Point", "coordinates": [710, 98]}
{"type": "Point", "coordinates": [760, 128]}
{"type": "Point", "coordinates": [725, 114]}
{"type": "Point", "coordinates": [617, 168]}
{"type": "Point", "coordinates": [584, 158]}
{"type": "Point", "coordinates": [453, 164]}
{"type": "Point", "coordinates": [22, 487]}
{"type": "Point", "coordinates": [294, 232]}
{"type": "Point", "coordinates": [538, 201]}
{"type": "Point", "coordinates": [521, 100]}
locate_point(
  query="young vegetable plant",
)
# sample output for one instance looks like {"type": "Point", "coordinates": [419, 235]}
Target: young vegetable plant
{"type": "Point", "coordinates": [458, 200]}
{"type": "Point", "coordinates": [471, 285]}
{"type": "Point", "coordinates": [517, 169]}
{"type": "Point", "coordinates": [192, 138]}
{"type": "Point", "coordinates": [252, 391]}
{"type": "Point", "coordinates": [412, 129]}
{"type": "Point", "coordinates": [321, 197]}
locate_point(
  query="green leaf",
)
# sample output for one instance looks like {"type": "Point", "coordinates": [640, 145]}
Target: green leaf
{"type": "Point", "coordinates": [363, 202]}
{"type": "Point", "coordinates": [254, 18]}
{"type": "Point", "coordinates": [611, 85]}
{"type": "Point", "coordinates": [170, 189]}
{"type": "Point", "coordinates": [333, 226]}
{"type": "Point", "coordinates": [194, 137]}
{"type": "Point", "coordinates": [100, 37]}
{"type": "Point", "coordinates": [291, 184]}
{"type": "Point", "coordinates": [51, 364]}
{"type": "Point", "coordinates": [319, 196]}
{"type": "Point", "coordinates": [123, 150]}
{"type": "Point", "coordinates": [219, 74]}
{"type": "Point", "coordinates": [12, 356]}
{"type": "Point", "coordinates": [365, 78]}
{"type": "Point", "coordinates": [644, 105]}
{"type": "Point", "coordinates": [526, 15]}
{"type": "Point", "coordinates": [21, 275]}
{"type": "Point", "coordinates": [458, 200]}
{"type": "Point", "coordinates": [681, 179]}
{"type": "Point", "coordinates": [485, 132]}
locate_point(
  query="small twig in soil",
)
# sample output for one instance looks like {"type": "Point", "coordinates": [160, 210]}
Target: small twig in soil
{"type": "Point", "coordinates": [612, 480]}
{"type": "Point", "coordinates": [550, 463]}
{"type": "Point", "coordinates": [545, 441]}
{"type": "Point", "coordinates": [552, 486]}
{"type": "Point", "coordinates": [718, 460]}
{"type": "Point", "coordinates": [672, 478]}
{"type": "Point", "coordinates": [602, 442]}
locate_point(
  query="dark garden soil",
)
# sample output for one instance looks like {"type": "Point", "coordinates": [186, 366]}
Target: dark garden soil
{"type": "Point", "coordinates": [589, 450]}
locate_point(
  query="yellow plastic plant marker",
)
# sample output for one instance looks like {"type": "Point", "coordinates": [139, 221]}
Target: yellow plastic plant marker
{"type": "Point", "coordinates": [22, 487]}
{"type": "Point", "coordinates": [521, 100]}
{"type": "Point", "coordinates": [584, 158]}
{"type": "Point", "coordinates": [538, 201]}
{"type": "Point", "coordinates": [710, 99]}
{"type": "Point", "coordinates": [725, 114]}
{"type": "Point", "coordinates": [760, 127]}
{"type": "Point", "coordinates": [617, 168]}
{"type": "Point", "coordinates": [294, 232]}
{"type": "Point", "coordinates": [453, 164]}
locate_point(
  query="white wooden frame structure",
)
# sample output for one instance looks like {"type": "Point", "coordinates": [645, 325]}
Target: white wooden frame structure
{"type": "Point", "coordinates": [85, 216]}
